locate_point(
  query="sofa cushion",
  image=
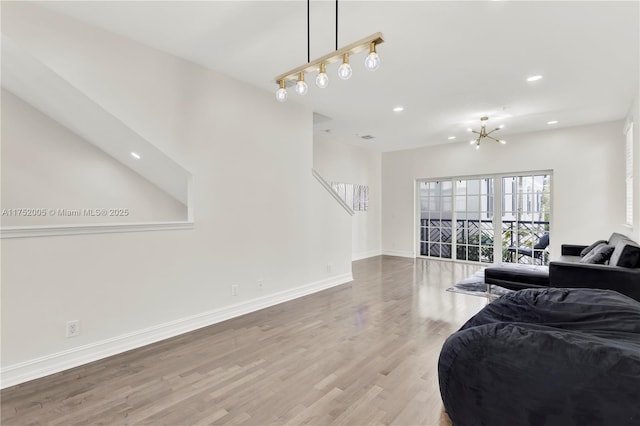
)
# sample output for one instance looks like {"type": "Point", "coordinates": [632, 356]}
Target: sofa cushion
{"type": "Point", "coordinates": [615, 238]}
{"type": "Point", "coordinates": [626, 254]}
{"type": "Point", "coordinates": [516, 276]}
{"type": "Point", "coordinates": [591, 247]}
{"type": "Point", "coordinates": [599, 255]}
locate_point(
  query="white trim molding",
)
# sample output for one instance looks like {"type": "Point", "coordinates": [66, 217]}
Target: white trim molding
{"type": "Point", "coordinates": [54, 230]}
{"type": "Point", "coordinates": [365, 254]}
{"type": "Point", "coordinates": [60, 361]}
{"type": "Point", "coordinates": [399, 253]}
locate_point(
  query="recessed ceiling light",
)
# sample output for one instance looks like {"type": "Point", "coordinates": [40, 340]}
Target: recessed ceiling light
{"type": "Point", "coordinates": [135, 155]}
{"type": "Point", "coordinates": [451, 137]}
{"type": "Point", "coordinates": [552, 122]}
{"type": "Point", "coordinates": [398, 109]}
{"type": "Point", "coordinates": [534, 78]}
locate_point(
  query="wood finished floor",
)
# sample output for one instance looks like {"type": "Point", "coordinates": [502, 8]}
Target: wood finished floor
{"type": "Point", "coordinates": [360, 353]}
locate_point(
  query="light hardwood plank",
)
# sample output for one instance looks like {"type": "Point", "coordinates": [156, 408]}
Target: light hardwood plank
{"type": "Point", "coordinates": [364, 353]}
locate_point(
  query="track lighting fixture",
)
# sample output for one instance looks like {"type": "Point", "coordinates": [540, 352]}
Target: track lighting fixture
{"type": "Point", "coordinates": [372, 62]}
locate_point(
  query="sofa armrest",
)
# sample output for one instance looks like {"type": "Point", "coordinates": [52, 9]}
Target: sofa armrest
{"type": "Point", "coordinates": [572, 249]}
{"type": "Point", "coordinates": [584, 275]}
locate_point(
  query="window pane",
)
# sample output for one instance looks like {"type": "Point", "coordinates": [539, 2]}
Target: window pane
{"type": "Point", "coordinates": [486, 186]}
{"type": "Point", "coordinates": [435, 188]}
{"type": "Point", "coordinates": [461, 253]}
{"type": "Point", "coordinates": [484, 203]}
{"type": "Point", "coordinates": [474, 253]}
{"type": "Point", "coordinates": [461, 187]}
{"type": "Point", "coordinates": [446, 233]}
{"type": "Point", "coordinates": [473, 203]}
{"type": "Point", "coordinates": [508, 185]}
{"type": "Point", "coordinates": [447, 188]}
{"type": "Point", "coordinates": [473, 187]}
{"type": "Point", "coordinates": [461, 232]}
{"type": "Point", "coordinates": [538, 183]}
{"type": "Point", "coordinates": [446, 206]}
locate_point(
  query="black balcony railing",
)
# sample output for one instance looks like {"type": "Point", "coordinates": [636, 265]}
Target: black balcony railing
{"type": "Point", "coordinates": [474, 240]}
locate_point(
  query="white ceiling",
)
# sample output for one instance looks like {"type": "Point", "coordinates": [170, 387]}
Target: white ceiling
{"type": "Point", "coordinates": [448, 62]}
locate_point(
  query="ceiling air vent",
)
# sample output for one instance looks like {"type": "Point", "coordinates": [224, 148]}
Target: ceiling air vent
{"type": "Point", "coordinates": [367, 137]}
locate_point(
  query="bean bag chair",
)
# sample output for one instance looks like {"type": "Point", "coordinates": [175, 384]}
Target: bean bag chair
{"type": "Point", "coordinates": [545, 357]}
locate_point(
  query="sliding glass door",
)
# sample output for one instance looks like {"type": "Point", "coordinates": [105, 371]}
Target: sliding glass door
{"type": "Point", "coordinates": [474, 220]}
{"type": "Point", "coordinates": [526, 212]}
{"type": "Point", "coordinates": [436, 215]}
{"type": "Point", "coordinates": [458, 218]}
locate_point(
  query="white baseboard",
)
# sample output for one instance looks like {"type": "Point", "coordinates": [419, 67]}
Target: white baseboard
{"type": "Point", "coordinates": [399, 253]}
{"type": "Point", "coordinates": [54, 363]}
{"type": "Point", "coordinates": [365, 254]}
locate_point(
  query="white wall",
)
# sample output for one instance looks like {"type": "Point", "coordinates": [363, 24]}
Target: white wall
{"type": "Point", "coordinates": [45, 166]}
{"type": "Point", "coordinates": [339, 162]}
{"type": "Point", "coordinates": [260, 215]}
{"type": "Point", "coordinates": [588, 180]}
{"type": "Point", "coordinates": [634, 116]}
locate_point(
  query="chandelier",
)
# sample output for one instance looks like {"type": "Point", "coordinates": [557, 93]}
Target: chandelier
{"type": "Point", "coordinates": [484, 134]}
{"type": "Point", "coordinates": [371, 63]}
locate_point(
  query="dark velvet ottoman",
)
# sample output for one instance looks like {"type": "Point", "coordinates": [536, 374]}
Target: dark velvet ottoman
{"type": "Point", "coordinates": [516, 276]}
{"type": "Point", "coordinates": [545, 357]}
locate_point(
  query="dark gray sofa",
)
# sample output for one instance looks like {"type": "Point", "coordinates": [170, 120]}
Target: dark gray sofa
{"type": "Point", "coordinates": [622, 274]}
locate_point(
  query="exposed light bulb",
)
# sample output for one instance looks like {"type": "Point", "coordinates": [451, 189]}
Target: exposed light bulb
{"type": "Point", "coordinates": [322, 80]}
{"type": "Point", "coordinates": [502, 141]}
{"type": "Point", "coordinates": [301, 86]}
{"type": "Point", "coordinates": [344, 70]}
{"type": "Point", "coordinates": [281, 93]}
{"type": "Point", "coordinates": [477, 146]}
{"type": "Point", "coordinates": [472, 142]}
{"type": "Point", "coordinates": [372, 61]}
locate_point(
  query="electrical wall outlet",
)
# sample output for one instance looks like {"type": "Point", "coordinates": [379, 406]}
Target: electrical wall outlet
{"type": "Point", "coordinates": [234, 290]}
{"type": "Point", "coordinates": [73, 328]}
{"type": "Point", "coordinates": [329, 267]}
{"type": "Point", "coordinates": [260, 285]}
